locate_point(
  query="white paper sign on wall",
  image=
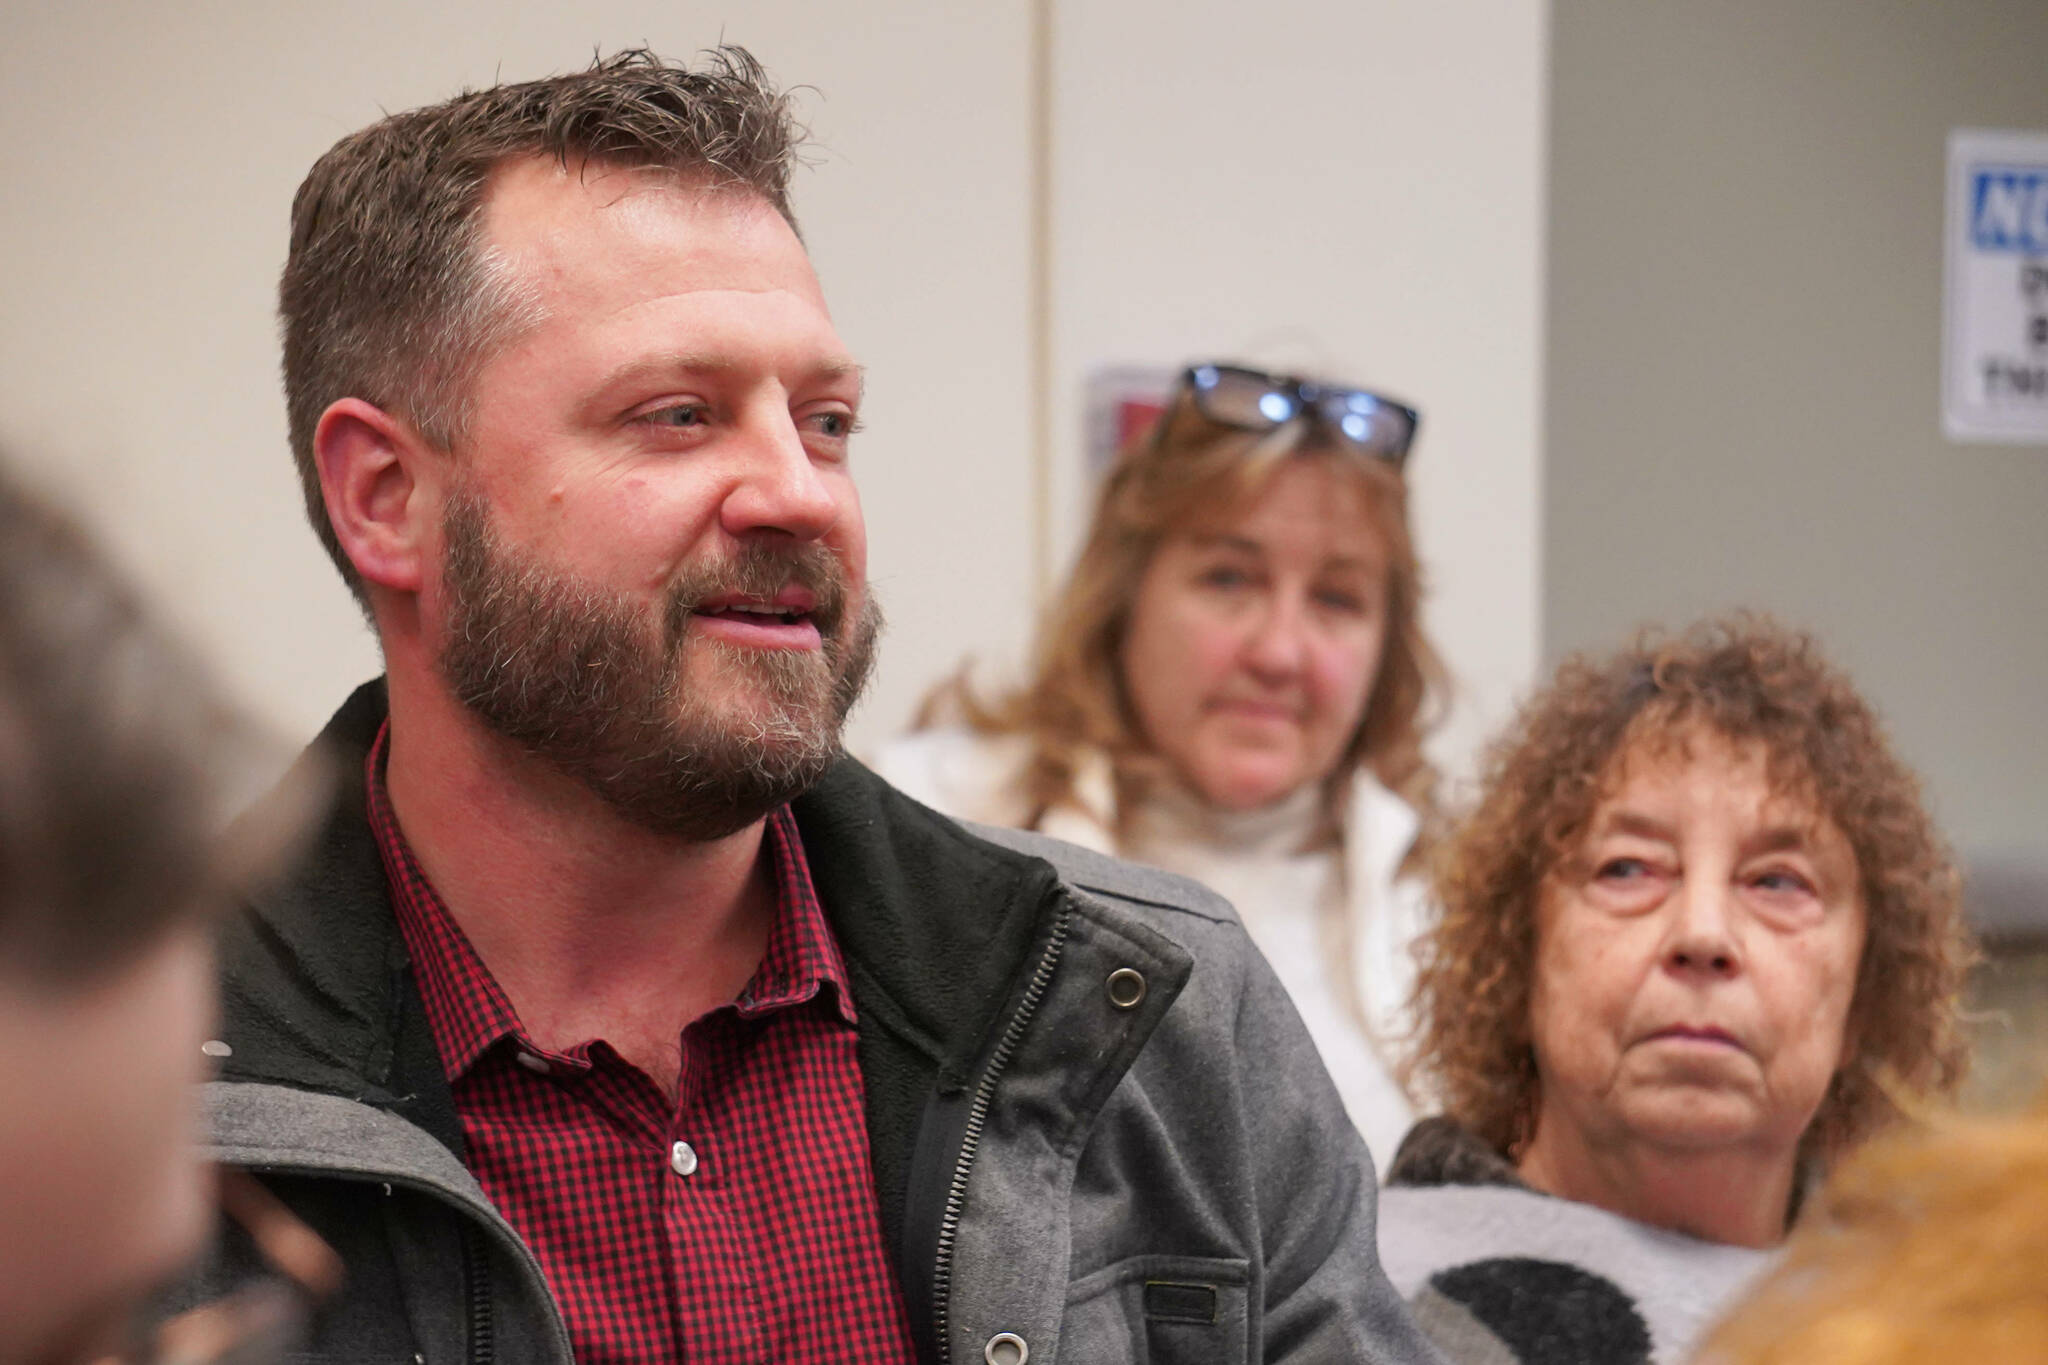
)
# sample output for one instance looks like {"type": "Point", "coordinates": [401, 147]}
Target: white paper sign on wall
{"type": "Point", "coordinates": [1995, 342]}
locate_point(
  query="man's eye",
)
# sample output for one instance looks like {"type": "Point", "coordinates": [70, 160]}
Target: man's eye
{"type": "Point", "coordinates": [836, 425]}
{"type": "Point", "coordinates": [681, 416]}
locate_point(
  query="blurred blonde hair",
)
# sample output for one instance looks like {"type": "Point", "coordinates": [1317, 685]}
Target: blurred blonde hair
{"type": "Point", "coordinates": [1928, 1245]}
{"type": "Point", "coordinates": [1187, 472]}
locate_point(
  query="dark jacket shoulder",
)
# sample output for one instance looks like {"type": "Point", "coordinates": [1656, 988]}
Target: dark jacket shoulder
{"type": "Point", "coordinates": [1442, 1151]}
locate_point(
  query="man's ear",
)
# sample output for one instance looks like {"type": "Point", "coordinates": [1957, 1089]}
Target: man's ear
{"type": "Point", "coordinates": [379, 478]}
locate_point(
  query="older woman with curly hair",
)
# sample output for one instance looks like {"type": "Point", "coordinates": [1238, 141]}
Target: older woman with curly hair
{"type": "Point", "coordinates": [1698, 939]}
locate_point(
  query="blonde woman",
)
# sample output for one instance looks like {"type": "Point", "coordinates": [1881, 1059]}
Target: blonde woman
{"type": "Point", "coordinates": [1232, 685]}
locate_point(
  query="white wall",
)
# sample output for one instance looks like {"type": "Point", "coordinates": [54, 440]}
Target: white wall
{"type": "Point", "coordinates": [1366, 173]}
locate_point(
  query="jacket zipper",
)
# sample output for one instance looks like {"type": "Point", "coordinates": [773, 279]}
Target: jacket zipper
{"type": "Point", "coordinates": [476, 1264]}
{"type": "Point", "coordinates": [977, 1116]}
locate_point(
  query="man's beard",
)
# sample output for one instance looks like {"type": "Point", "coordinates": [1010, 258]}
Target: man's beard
{"type": "Point", "coordinates": [595, 684]}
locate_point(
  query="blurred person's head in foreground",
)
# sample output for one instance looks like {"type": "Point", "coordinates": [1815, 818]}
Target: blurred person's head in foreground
{"type": "Point", "coordinates": [1243, 621]}
{"type": "Point", "coordinates": [1930, 1244]}
{"type": "Point", "coordinates": [1698, 930]}
{"type": "Point", "coordinates": [108, 865]}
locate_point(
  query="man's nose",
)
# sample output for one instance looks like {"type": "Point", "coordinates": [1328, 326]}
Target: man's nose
{"type": "Point", "coordinates": [778, 487]}
{"type": "Point", "coordinates": [1701, 940]}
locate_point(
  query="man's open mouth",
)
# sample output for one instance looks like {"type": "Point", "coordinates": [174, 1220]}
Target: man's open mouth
{"type": "Point", "coordinates": [738, 611]}
{"type": "Point", "coordinates": [788, 619]}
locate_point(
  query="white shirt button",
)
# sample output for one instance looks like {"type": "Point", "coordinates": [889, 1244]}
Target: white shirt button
{"type": "Point", "coordinates": [533, 1062]}
{"type": "Point", "coordinates": [682, 1159]}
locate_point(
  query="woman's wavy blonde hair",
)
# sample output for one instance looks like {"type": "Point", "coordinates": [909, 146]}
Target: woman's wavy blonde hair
{"type": "Point", "coordinates": [1182, 473]}
{"type": "Point", "coordinates": [1749, 681]}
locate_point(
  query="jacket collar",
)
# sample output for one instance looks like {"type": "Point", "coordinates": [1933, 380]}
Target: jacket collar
{"type": "Point", "coordinates": [933, 923]}
{"type": "Point", "coordinates": [316, 989]}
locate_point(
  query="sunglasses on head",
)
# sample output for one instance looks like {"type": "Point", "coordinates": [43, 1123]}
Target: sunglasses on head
{"type": "Point", "coordinates": [1252, 400]}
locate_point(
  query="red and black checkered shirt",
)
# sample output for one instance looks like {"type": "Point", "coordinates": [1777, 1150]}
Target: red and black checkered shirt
{"type": "Point", "coordinates": [737, 1224]}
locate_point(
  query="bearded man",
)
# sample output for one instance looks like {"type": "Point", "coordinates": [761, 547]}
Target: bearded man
{"type": "Point", "coordinates": [616, 1015]}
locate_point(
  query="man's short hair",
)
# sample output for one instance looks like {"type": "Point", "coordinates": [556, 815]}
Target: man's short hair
{"type": "Point", "coordinates": [389, 295]}
{"type": "Point", "coordinates": [108, 743]}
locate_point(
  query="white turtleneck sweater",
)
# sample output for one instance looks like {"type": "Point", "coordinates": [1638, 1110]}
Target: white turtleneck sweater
{"type": "Point", "coordinates": [1254, 860]}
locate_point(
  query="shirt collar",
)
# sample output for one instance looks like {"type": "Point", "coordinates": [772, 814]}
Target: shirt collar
{"type": "Point", "coordinates": [469, 1012]}
{"type": "Point", "coordinates": [466, 1008]}
{"type": "Point", "coordinates": [803, 958]}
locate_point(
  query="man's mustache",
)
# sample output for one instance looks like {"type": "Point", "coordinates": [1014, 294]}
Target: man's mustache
{"type": "Point", "coordinates": [761, 571]}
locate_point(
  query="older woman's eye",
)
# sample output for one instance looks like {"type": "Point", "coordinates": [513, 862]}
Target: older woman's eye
{"type": "Point", "coordinates": [1622, 869]}
{"type": "Point", "coordinates": [1783, 881]}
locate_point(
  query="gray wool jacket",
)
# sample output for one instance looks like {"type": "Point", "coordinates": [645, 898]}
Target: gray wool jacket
{"type": "Point", "coordinates": [1066, 1173]}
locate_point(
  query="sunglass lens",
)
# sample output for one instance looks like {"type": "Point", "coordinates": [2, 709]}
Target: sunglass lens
{"type": "Point", "coordinates": [1367, 422]}
{"type": "Point", "coordinates": [1239, 398]}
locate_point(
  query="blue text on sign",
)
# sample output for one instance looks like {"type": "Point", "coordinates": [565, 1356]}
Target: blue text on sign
{"type": "Point", "coordinates": [2009, 209]}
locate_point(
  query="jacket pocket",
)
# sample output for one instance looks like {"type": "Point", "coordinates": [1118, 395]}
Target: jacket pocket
{"type": "Point", "coordinates": [1159, 1310]}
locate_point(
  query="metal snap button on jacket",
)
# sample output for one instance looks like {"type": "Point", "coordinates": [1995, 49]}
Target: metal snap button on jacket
{"type": "Point", "coordinates": [1006, 1348]}
{"type": "Point", "coordinates": [682, 1159]}
{"type": "Point", "coordinates": [1126, 988]}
